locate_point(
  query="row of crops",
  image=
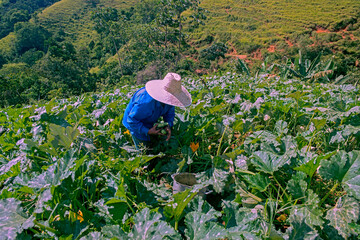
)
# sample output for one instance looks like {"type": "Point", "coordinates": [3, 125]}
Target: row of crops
{"type": "Point", "coordinates": [279, 159]}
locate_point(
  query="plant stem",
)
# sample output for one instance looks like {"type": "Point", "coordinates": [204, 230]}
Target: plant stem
{"type": "Point", "coordinates": [5, 157]}
{"type": "Point", "coordinates": [327, 195]}
{"type": "Point", "coordinates": [287, 196]}
{"type": "Point", "coordinates": [245, 171]}
{"type": "Point", "coordinates": [307, 127]}
{"type": "Point", "coordinates": [309, 146]}
{"type": "Point", "coordinates": [221, 139]}
{"type": "Point", "coordinates": [176, 225]}
{"type": "Point", "coordinates": [41, 226]}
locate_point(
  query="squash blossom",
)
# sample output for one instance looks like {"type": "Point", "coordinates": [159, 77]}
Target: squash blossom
{"type": "Point", "coordinates": [80, 216]}
{"type": "Point", "coordinates": [281, 218]}
{"type": "Point", "coordinates": [127, 132]}
{"type": "Point", "coordinates": [194, 146]}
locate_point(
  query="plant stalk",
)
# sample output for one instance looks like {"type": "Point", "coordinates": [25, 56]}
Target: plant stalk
{"type": "Point", "coordinates": [328, 194]}
{"type": "Point", "coordinates": [41, 226]}
{"type": "Point", "coordinates": [287, 196]}
{"type": "Point", "coordinates": [221, 139]}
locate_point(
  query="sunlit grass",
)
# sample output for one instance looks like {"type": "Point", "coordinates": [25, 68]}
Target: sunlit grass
{"type": "Point", "coordinates": [263, 22]}
{"type": "Point", "coordinates": [74, 17]}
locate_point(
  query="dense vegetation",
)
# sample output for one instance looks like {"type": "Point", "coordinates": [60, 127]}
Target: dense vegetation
{"type": "Point", "coordinates": [14, 11]}
{"type": "Point", "coordinates": [279, 158]}
{"type": "Point", "coordinates": [272, 136]}
{"type": "Point", "coordinates": [78, 46]}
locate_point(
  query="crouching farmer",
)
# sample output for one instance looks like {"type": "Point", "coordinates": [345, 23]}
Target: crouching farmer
{"type": "Point", "coordinates": [157, 99]}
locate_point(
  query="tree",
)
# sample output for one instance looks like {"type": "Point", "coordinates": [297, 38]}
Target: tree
{"type": "Point", "coordinates": [29, 36]}
{"type": "Point", "coordinates": [66, 69]}
{"type": "Point", "coordinates": [172, 16]}
{"type": "Point", "coordinates": [2, 60]}
{"type": "Point", "coordinates": [108, 23]}
{"type": "Point", "coordinates": [19, 84]}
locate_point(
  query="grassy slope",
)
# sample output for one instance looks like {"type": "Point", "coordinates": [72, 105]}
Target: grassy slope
{"type": "Point", "coordinates": [265, 22]}
{"type": "Point", "coordinates": [243, 24]}
{"type": "Point", "coordinates": [73, 16]}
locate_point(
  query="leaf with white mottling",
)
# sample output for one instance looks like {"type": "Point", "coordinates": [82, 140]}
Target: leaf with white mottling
{"type": "Point", "coordinates": [268, 162]}
{"type": "Point", "coordinates": [297, 185]}
{"type": "Point", "coordinates": [299, 230]}
{"type": "Point", "coordinates": [219, 178]}
{"type": "Point", "coordinates": [11, 219]}
{"type": "Point", "coordinates": [346, 211]}
{"type": "Point", "coordinates": [202, 226]}
{"type": "Point", "coordinates": [310, 210]}
{"type": "Point", "coordinates": [148, 225]}
{"type": "Point", "coordinates": [94, 236]}
{"type": "Point", "coordinates": [258, 181]}
{"type": "Point", "coordinates": [345, 168]}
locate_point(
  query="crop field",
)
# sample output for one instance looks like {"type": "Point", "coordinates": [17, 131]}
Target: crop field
{"type": "Point", "coordinates": [278, 157]}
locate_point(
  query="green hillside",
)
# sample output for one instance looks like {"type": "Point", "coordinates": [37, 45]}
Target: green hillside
{"type": "Point", "coordinates": [251, 24]}
{"type": "Point", "coordinates": [245, 25]}
{"type": "Point", "coordinates": [73, 17]}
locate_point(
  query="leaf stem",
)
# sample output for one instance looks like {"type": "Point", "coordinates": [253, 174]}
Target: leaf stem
{"type": "Point", "coordinates": [327, 195]}
{"type": "Point", "coordinates": [221, 139]}
{"type": "Point", "coordinates": [5, 157]}
{"type": "Point", "coordinates": [41, 226]}
{"type": "Point", "coordinates": [176, 225]}
{"type": "Point", "coordinates": [245, 171]}
{"type": "Point", "coordinates": [287, 196]}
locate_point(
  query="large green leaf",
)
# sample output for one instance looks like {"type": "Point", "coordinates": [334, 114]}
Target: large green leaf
{"type": "Point", "coordinates": [297, 185]}
{"type": "Point", "coordinates": [113, 232]}
{"type": "Point", "coordinates": [53, 176]}
{"type": "Point", "coordinates": [345, 168]}
{"type": "Point", "coordinates": [12, 220]}
{"type": "Point", "coordinates": [201, 223]}
{"type": "Point", "coordinates": [247, 220]}
{"type": "Point", "coordinates": [268, 162]}
{"type": "Point", "coordinates": [258, 181]}
{"type": "Point", "coordinates": [312, 164]}
{"type": "Point", "coordinates": [299, 230]}
{"type": "Point", "coordinates": [148, 225]}
{"type": "Point", "coordinates": [310, 210]}
{"type": "Point", "coordinates": [346, 211]}
{"type": "Point", "coordinates": [62, 136]}
{"type": "Point", "coordinates": [175, 209]}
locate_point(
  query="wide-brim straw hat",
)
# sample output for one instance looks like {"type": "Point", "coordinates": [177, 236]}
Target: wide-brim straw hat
{"type": "Point", "coordinates": [169, 91]}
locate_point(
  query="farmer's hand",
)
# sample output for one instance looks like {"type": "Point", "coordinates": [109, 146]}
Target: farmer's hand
{"type": "Point", "coordinates": [154, 131]}
{"type": "Point", "coordinates": [168, 130]}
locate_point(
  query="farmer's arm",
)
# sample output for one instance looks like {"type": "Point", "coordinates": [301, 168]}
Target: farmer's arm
{"type": "Point", "coordinates": [169, 116]}
{"type": "Point", "coordinates": [139, 112]}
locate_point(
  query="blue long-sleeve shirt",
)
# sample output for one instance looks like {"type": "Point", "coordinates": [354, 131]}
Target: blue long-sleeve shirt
{"type": "Point", "coordinates": [143, 112]}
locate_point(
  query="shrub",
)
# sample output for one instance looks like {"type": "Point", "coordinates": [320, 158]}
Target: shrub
{"type": "Point", "coordinates": [213, 52]}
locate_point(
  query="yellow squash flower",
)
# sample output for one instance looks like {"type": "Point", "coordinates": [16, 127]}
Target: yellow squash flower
{"type": "Point", "coordinates": [194, 146]}
{"type": "Point", "coordinates": [281, 218]}
{"type": "Point", "coordinates": [80, 216]}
